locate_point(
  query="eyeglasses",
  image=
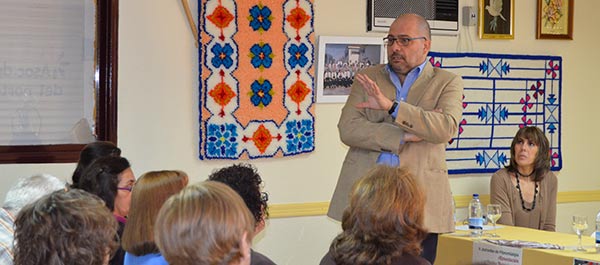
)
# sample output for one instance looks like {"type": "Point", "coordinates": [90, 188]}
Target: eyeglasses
{"type": "Point", "coordinates": [264, 196]}
{"type": "Point", "coordinates": [125, 188]}
{"type": "Point", "coordinates": [404, 41]}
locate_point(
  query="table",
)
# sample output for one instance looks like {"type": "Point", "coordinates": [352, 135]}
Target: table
{"type": "Point", "coordinates": [457, 248]}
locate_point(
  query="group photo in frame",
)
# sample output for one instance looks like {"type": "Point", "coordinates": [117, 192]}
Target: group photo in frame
{"type": "Point", "coordinates": [340, 58]}
{"type": "Point", "coordinates": [554, 19]}
{"type": "Point", "coordinates": [496, 19]}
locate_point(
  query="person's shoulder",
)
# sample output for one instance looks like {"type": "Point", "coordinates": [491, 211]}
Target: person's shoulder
{"type": "Point", "coordinates": [149, 259]}
{"type": "Point", "coordinates": [327, 259]}
{"type": "Point", "coordinates": [6, 257]}
{"type": "Point", "coordinates": [551, 177]}
{"type": "Point", "coordinates": [374, 69]}
{"type": "Point", "coordinates": [259, 259]}
{"type": "Point", "coordinates": [439, 72]}
{"type": "Point", "coordinates": [500, 174]}
{"type": "Point", "coordinates": [6, 216]}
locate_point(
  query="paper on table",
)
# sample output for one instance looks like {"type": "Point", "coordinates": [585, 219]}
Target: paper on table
{"type": "Point", "coordinates": [523, 244]}
{"type": "Point", "coordinates": [485, 227]}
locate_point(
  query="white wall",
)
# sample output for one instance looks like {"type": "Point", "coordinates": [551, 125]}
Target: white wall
{"type": "Point", "coordinates": [158, 114]}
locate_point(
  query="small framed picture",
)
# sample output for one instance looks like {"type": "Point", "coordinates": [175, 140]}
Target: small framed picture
{"type": "Point", "coordinates": [496, 19]}
{"type": "Point", "coordinates": [555, 19]}
{"type": "Point", "coordinates": [340, 58]}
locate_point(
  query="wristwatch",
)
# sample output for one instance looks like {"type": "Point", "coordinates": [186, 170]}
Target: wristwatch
{"type": "Point", "coordinates": [393, 108]}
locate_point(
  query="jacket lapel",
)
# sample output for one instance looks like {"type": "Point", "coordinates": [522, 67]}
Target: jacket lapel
{"type": "Point", "coordinates": [419, 87]}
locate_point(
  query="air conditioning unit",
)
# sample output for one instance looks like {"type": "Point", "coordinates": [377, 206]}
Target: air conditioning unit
{"type": "Point", "coordinates": [442, 15]}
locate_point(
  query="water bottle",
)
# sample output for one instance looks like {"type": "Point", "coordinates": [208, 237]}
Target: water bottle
{"type": "Point", "coordinates": [598, 233]}
{"type": "Point", "coordinates": [475, 216]}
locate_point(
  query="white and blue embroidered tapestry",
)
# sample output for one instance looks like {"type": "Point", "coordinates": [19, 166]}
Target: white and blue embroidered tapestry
{"type": "Point", "coordinates": [502, 93]}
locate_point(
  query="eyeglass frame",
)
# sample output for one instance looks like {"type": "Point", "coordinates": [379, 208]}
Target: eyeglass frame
{"type": "Point", "coordinates": [125, 188]}
{"type": "Point", "coordinates": [391, 40]}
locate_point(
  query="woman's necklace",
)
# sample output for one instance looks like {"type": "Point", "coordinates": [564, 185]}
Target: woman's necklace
{"type": "Point", "coordinates": [521, 194]}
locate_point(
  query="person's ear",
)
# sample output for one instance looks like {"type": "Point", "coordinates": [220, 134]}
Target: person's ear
{"type": "Point", "coordinates": [426, 46]}
{"type": "Point", "coordinates": [260, 225]}
{"type": "Point", "coordinates": [245, 249]}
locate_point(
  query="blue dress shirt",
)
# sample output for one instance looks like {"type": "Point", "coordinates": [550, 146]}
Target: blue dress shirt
{"type": "Point", "coordinates": [392, 159]}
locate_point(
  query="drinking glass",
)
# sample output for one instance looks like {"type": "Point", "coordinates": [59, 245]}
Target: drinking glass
{"type": "Point", "coordinates": [579, 226]}
{"type": "Point", "coordinates": [493, 214]}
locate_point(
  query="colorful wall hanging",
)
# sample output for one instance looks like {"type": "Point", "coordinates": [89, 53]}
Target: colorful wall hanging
{"type": "Point", "coordinates": [256, 78]}
{"type": "Point", "coordinates": [502, 93]}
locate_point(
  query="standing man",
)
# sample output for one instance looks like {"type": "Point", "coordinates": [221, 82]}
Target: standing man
{"type": "Point", "coordinates": [403, 114]}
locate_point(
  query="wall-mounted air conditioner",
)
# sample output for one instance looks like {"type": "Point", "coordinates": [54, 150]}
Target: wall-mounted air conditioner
{"type": "Point", "coordinates": [442, 15]}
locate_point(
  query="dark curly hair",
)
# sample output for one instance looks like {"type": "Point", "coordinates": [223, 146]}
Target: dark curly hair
{"type": "Point", "coordinates": [65, 227]}
{"type": "Point", "coordinates": [384, 219]}
{"type": "Point", "coordinates": [245, 180]}
{"type": "Point", "coordinates": [90, 153]}
{"type": "Point", "coordinates": [102, 178]}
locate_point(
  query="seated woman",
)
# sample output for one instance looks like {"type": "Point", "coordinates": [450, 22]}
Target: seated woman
{"type": "Point", "coordinates": [245, 180]}
{"type": "Point", "coordinates": [150, 192]}
{"type": "Point", "coordinates": [384, 222]}
{"type": "Point", "coordinates": [111, 179]}
{"type": "Point", "coordinates": [221, 224]}
{"type": "Point", "coordinates": [526, 189]}
{"type": "Point", "coordinates": [65, 227]}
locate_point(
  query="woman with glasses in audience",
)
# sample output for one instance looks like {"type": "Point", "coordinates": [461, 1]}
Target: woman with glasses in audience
{"type": "Point", "coordinates": [206, 223]}
{"type": "Point", "coordinates": [150, 192]}
{"type": "Point", "coordinates": [65, 227]}
{"type": "Point", "coordinates": [111, 179]}
{"type": "Point", "coordinates": [384, 222]}
{"type": "Point", "coordinates": [245, 180]}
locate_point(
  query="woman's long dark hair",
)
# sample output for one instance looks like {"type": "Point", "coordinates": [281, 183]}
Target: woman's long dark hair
{"type": "Point", "coordinates": [101, 178]}
{"type": "Point", "coordinates": [90, 153]}
{"type": "Point", "coordinates": [542, 161]}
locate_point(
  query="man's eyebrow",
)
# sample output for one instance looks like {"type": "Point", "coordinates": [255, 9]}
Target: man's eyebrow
{"type": "Point", "coordinates": [398, 36]}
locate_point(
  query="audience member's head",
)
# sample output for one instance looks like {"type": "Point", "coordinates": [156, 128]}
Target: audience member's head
{"type": "Point", "coordinates": [384, 220]}
{"type": "Point", "coordinates": [245, 180]}
{"type": "Point", "coordinates": [206, 223]}
{"type": "Point", "coordinates": [150, 192]}
{"type": "Point", "coordinates": [65, 227]}
{"type": "Point", "coordinates": [111, 179]}
{"type": "Point", "coordinates": [29, 189]}
{"type": "Point", "coordinates": [26, 191]}
{"type": "Point", "coordinates": [90, 153]}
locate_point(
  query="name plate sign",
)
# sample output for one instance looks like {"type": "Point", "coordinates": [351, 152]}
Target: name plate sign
{"type": "Point", "coordinates": [486, 253]}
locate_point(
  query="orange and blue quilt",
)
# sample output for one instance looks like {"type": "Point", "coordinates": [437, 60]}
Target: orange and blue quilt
{"type": "Point", "coordinates": [256, 78]}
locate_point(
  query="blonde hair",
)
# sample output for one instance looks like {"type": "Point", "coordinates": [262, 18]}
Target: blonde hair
{"type": "Point", "coordinates": [149, 194]}
{"type": "Point", "coordinates": [203, 224]}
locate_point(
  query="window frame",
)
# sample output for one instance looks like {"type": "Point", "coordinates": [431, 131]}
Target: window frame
{"type": "Point", "coordinates": [107, 25]}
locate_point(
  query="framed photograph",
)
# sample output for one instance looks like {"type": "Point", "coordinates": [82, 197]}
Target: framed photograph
{"type": "Point", "coordinates": [340, 58]}
{"type": "Point", "coordinates": [496, 19]}
{"type": "Point", "coordinates": [555, 19]}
